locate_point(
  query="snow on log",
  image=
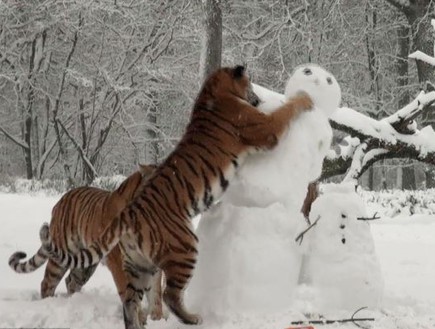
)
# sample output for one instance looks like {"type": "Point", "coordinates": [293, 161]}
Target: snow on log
{"type": "Point", "coordinates": [395, 136]}
{"type": "Point", "coordinates": [422, 57]}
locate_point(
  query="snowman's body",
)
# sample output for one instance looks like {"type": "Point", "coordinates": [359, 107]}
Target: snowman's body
{"type": "Point", "coordinates": [248, 259]}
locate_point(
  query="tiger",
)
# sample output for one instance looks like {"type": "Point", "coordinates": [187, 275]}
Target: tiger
{"type": "Point", "coordinates": [155, 231]}
{"type": "Point", "coordinates": [77, 219]}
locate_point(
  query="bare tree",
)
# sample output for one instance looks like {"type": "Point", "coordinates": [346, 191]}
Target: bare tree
{"type": "Point", "coordinates": [211, 52]}
{"type": "Point", "coordinates": [22, 65]}
{"type": "Point", "coordinates": [76, 73]}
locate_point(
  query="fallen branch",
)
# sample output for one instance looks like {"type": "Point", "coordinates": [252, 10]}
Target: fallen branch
{"type": "Point", "coordinates": [395, 136]}
{"type": "Point", "coordinates": [352, 319]}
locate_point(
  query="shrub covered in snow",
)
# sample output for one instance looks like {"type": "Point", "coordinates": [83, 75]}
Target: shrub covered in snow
{"type": "Point", "coordinates": [391, 203]}
{"type": "Point", "coordinates": [33, 186]}
{"type": "Point", "coordinates": [54, 186]}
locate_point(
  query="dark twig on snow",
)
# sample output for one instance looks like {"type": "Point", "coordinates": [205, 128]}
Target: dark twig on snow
{"type": "Point", "coordinates": [301, 235]}
{"type": "Point", "coordinates": [324, 321]}
{"type": "Point", "coordinates": [369, 218]}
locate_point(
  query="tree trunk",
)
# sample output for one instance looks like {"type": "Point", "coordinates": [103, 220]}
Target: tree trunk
{"type": "Point", "coordinates": [399, 178]}
{"type": "Point", "coordinates": [28, 114]}
{"type": "Point", "coordinates": [211, 52]}
{"type": "Point", "coordinates": [28, 150]}
{"type": "Point", "coordinates": [403, 36]}
{"type": "Point", "coordinates": [384, 183]}
{"type": "Point", "coordinates": [152, 155]}
{"type": "Point", "coordinates": [430, 178]}
{"type": "Point", "coordinates": [371, 179]}
{"type": "Point", "coordinates": [373, 66]}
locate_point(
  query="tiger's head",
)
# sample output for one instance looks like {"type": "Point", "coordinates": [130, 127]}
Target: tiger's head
{"type": "Point", "coordinates": [230, 81]}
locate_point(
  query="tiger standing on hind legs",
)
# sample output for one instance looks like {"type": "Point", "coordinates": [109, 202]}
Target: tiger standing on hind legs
{"type": "Point", "coordinates": [154, 231]}
{"type": "Point", "coordinates": [78, 218]}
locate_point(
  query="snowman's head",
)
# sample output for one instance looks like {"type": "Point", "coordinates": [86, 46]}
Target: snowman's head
{"type": "Point", "coordinates": [321, 85]}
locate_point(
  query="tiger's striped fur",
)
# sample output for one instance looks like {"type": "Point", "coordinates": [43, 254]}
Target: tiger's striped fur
{"type": "Point", "coordinates": [79, 218]}
{"type": "Point", "coordinates": [155, 230]}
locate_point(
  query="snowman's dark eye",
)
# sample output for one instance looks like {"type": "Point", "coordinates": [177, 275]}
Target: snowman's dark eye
{"type": "Point", "coordinates": [307, 71]}
{"type": "Point", "coordinates": [329, 80]}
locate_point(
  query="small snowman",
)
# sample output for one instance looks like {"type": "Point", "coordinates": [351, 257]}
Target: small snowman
{"type": "Point", "coordinates": [341, 268]}
{"type": "Point", "coordinates": [248, 258]}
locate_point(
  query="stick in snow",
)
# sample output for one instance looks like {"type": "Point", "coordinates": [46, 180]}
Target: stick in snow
{"type": "Point", "coordinates": [301, 235]}
{"type": "Point", "coordinates": [369, 218]}
{"type": "Point", "coordinates": [352, 319]}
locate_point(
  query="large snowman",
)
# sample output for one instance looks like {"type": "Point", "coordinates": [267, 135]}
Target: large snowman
{"type": "Point", "coordinates": [248, 258]}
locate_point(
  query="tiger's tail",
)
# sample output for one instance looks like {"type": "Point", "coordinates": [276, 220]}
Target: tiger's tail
{"type": "Point", "coordinates": [32, 264]}
{"type": "Point", "coordinates": [88, 256]}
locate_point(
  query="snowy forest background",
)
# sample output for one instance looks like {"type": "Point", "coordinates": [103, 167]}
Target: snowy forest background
{"type": "Point", "coordinates": [91, 88]}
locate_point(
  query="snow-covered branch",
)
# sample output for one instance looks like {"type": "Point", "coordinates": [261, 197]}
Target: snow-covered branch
{"type": "Point", "coordinates": [423, 57]}
{"type": "Point", "coordinates": [419, 55]}
{"type": "Point", "coordinates": [393, 137]}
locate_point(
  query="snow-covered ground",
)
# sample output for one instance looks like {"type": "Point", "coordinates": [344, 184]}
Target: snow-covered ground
{"type": "Point", "coordinates": [405, 246]}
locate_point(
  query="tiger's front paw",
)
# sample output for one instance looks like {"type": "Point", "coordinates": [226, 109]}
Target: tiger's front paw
{"type": "Point", "coordinates": [142, 315]}
{"type": "Point", "coordinates": [159, 312]}
{"type": "Point", "coordinates": [302, 102]}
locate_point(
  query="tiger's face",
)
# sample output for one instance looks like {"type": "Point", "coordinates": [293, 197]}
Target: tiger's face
{"type": "Point", "coordinates": [235, 81]}
{"type": "Point", "coordinates": [244, 86]}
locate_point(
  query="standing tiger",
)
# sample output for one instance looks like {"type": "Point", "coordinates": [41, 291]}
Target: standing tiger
{"type": "Point", "coordinates": [154, 231]}
{"type": "Point", "coordinates": [79, 218]}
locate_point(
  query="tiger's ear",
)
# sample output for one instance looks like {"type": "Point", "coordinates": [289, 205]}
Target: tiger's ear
{"type": "Point", "coordinates": [146, 170]}
{"type": "Point", "coordinates": [239, 71]}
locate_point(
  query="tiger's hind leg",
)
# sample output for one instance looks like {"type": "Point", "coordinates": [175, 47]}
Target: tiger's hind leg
{"type": "Point", "coordinates": [114, 263]}
{"type": "Point", "coordinates": [139, 280]}
{"type": "Point", "coordinates": [155, 307]}
{"type": "Point", "coordinates": [178, 272]}
{"type": "Point", "coordinates": [52, 276]}
{"type": "Point", "coordinates": [78, 278]}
